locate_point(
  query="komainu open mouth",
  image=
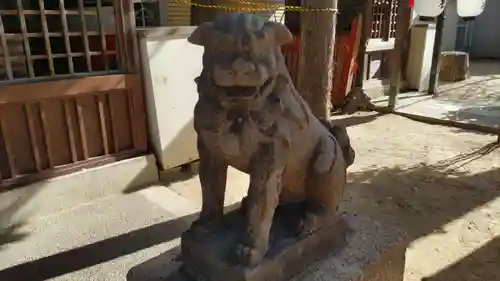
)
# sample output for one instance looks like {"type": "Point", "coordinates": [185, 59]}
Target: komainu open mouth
{"type": "Point", "coordinates": [245, 92]}
{"type": "Point", "coordinates": [237, 92]}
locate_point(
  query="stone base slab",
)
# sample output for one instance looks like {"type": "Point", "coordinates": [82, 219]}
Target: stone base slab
{"type": "Point", "coordinates": [372, 253]}
{"type": "Point", "coordinates": [212, 258]}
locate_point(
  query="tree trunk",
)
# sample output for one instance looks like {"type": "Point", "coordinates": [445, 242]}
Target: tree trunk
{"type": "Point", "coordinates": [316, 56]}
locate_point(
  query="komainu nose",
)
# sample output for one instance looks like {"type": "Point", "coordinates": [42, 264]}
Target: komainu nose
{"type": "Point", "coordinates": [242, 66]}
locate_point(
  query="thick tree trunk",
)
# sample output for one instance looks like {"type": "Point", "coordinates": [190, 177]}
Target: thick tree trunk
{"type": "Point", "coordinates": [316, 56]}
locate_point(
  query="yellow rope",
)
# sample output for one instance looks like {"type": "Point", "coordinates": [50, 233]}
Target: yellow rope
{"type": "Point", "coordinates": [256, 7]}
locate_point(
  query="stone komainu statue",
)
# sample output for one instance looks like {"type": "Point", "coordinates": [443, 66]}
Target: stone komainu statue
{"type": "Point", "coordinates": [251, 117]}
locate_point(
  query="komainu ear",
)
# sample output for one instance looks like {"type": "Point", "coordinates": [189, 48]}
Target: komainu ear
{"type": "Point", "coordinates": [280, 32]}
{"type": "Point", "coordinates": [202, 34]}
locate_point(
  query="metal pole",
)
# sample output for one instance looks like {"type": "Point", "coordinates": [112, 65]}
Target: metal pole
{"type": "Point", "coordinates": [438, 42]}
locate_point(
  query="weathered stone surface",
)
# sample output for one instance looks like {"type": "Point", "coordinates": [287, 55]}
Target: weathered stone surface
{"type": "Point", "coordinates": [371, 253]}
{"type": "Point", "coordinates": [210, 257]}
{"type": "Point", "coordinates": [250, 116]}
{"type": "Point", "coordinates": [453, 66]}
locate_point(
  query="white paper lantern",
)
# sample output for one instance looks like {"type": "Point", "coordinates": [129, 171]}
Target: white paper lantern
{"type": "Point", "coordinates": [429, 8]}
{"type": "Point", "coordinates": [470, 8]}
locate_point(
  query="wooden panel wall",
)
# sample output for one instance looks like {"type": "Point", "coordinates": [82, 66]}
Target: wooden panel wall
{"type": "Point", "coordinates": [40, 138]}
{"type": "Point", "coordinates": [78, 100]}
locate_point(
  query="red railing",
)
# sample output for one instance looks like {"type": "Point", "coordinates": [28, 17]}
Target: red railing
{"type": "Point", "coordinates": [344, 62]}
{"type": "Point", "coordinates": [291, 53]}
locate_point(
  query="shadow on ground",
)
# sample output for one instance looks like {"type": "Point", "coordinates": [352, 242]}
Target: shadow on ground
{"type": "Point", "coordinates": [355, 120]}
{"type": "Point", "coordinates": [487, 116]}
{"type": "Point", "coordinates": [15, 210]}
{"type": "Point", "coordinates": [481, 265]}
{"type": "Point", "coordinates": [11, 233]}
{"type": "Point", "coordinates": [99, 252]}
{"type": "Point", "coordinates": [422, 199]}
{"type": "Point", "coordinates": [478, 91]}
{"type": "Point", "coordinates": [419, 200]}
{"type": "Point", "coordinates": [102, 251]}
{"type": "Point", "coordinates": [484, 67]}
{"type": "Point", "coordinates": [10, 225]}
{"type": "Point", "coordinates": [13, 218]}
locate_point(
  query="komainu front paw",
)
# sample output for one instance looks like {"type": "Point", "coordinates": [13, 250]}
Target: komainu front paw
{"type": "Point", "coordinates": [313, 221]}
{"type": "Point", "coordinates": [308, 224]}
{"type": "Point", "coordinates": [248, 255]}
{"type": "Point", "coordinates": [203, 229]}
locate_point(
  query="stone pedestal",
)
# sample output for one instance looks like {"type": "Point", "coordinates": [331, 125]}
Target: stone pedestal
{"type": "Point", "coordinates": [212, 257]}
{"type": "Point", "coordinates": [454, 66]}
{"type": "Point", "coordinates": [370, 253]}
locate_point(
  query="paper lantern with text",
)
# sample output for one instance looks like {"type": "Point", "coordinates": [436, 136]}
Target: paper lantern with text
{"type": "Point", "coordinates": [470, 9]}
{"type": "Point", "coordinates": [429, 8]}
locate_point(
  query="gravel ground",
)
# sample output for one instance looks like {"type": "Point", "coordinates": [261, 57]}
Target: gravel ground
{"type": "Point", "coordinates": [441, 185]}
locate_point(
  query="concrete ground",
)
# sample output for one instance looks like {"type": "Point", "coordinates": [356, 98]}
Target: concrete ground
{"type": "Point", "coordinates": [104, 239]}
{"type": "Point", "coordinates": [440, 185]}
{"type": "Point", "coordinates": [473, 101]}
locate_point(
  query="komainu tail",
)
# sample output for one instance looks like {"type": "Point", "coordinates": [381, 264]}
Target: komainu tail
{"type": "Point", "coordinates": [340, 134]}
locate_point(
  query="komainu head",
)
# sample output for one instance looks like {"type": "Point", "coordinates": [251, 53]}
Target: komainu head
{"type": "Point", "coordinates": [242, 51]}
